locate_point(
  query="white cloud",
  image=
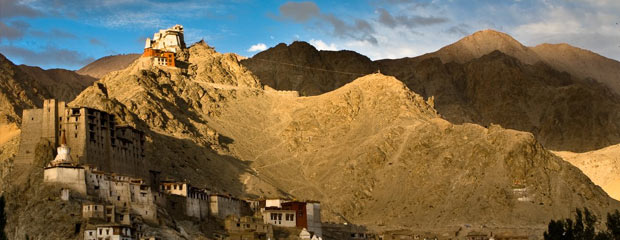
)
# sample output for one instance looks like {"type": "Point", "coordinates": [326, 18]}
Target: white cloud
{"type": "Point", "coordinates": [587, 24]}
{"type": "Point", "coordinates": [320, 45]}
{"type": "Point", "coordinates": [257, 47]}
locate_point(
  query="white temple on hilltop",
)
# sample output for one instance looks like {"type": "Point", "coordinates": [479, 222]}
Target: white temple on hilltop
{"type": "Point", "coordinates": [167, 40]}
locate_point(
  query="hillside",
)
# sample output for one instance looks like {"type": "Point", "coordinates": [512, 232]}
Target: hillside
{"type": "Point", "coordinates": [534, 97]}
{"type": "Point", "coordinates": [300, 67]}
{"type": "Point", "coordinates": [482, 43]}
{"type": "Point", "coordinates": [23, 87]}
{"type": "Point", "coordinates": [107, 64]}
{"type": "Point", "coordinates": [373, 152]}
{"type": "Point", "coordinates": [18, 91]}
{"type": "Point", "coordinates": [62, 84]}
{"type": "Point", "coordinates": [602, 166]}
{"type": "Point", "coordinates": [581, 63]}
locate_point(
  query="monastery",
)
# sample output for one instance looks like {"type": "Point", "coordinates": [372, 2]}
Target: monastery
{"type": "Point", "coordinates": [165, 45]}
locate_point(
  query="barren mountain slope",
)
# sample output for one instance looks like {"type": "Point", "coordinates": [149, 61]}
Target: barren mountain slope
{"type": "Point", "coordinates": [18, 91]}
{"type": "Point", "coordinates": [581, 63]}
{"type": "Point", "coordinates": [534, 98]}
{"type": "Point", "coordinates": [302, 68]}
{"type": "Point", "coordinates": [63, 84]}
{"type": "Point", "coordinates": [602, 166]}
{"type": "Point", "coordinates": [564, 113]}
{"type": "Point", "coordinates": [107, 64]}
{"type": "Point", "coordinates": [482, 43]}
{"type": "Point", "coordinates": [372, 151]}
{"type": "Point", "coordinates": [23, 87]}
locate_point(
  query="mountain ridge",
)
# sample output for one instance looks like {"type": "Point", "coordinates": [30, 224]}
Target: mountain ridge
{"type": "Point", "coordinates": [345, 148]}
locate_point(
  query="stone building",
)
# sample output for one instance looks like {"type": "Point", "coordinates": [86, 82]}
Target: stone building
{"type": "Point", "coordinates": [125, 192]}
{"type": "Point", "coordinates": [93, 136]}
{"type": "Point", "coordinates": [167, 40]}
{"type": "Point", "coordinates": [109, 231]}
{"type": "Point", "coordinates": [247, 228]}
{"type": "Point", "coordinates": [93, 210]}
{"type": "Point", "coordinates": [280, 217]}
{"type": "Point", "coordinates": [222, 206]}
{"type": "Point", "coordinates": [307, 214]}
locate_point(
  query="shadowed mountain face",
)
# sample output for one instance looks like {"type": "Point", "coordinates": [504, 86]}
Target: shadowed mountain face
{"type": "Point", "coordinates": [470, 82]}
{"type": "Point", "coordinates": [300, 67]}
{"type": "Point", "coordinates": [23, 87]}
{"type": "Point", "coordinates": [372, 151]}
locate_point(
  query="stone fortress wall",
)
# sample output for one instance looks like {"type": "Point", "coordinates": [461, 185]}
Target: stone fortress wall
{"type": "Point", "coordinates": [93, 135]}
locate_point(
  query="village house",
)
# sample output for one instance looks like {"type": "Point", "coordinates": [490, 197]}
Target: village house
{"type": "Point", "coordinates": [353, 232]}
{"type": "Point", "coordinates": [109, 232]}
{"type": "Point", "coordinates": [306, 214]}
{"type": "Point", "coordinates": [247, 228]}
{"type": "Point", "coordinates": [280, 217]}
{"type": "Point", "coordinates": [93, 211]}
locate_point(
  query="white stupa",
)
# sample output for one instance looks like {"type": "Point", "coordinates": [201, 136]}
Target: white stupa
{"type": "Point", "coordinates": [64, 152]}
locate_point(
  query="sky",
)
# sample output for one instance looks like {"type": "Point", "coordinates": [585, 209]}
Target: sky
{"type": "Point", "coordinates": [72, 33]}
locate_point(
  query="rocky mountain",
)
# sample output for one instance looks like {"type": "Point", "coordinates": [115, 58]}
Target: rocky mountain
{"type": "Point", "coordinates": [18, 91]}
{"type": "Point", "coordinates": [23, 87]}
{"type": "Point", "coordinates": [61, 84]}
{"type": "Point", "coordinates": [470, 81]}
{"type": "Point", "coordinates": [300, 67]}
{"type": "Point", "coordinates": [372, 151]}
{"type": "Point", "coordinates": [482, 43]}
{"type": "Point", "coordinates": [581, 63]}
{"type": "Point", "coordinates": [107, 64]}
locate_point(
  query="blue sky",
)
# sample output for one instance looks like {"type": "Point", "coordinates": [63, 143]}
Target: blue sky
{"type": "Point", "coordinates": [71, 33]}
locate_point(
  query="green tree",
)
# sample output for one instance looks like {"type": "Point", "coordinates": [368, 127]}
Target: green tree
{"type": "Point", "coordinates": [2, 218]}
{"type": "Point", "coordinates": [589, 232]}
{"type": "Point", "coordinates": [582, 228]}
{"type": "Point", "coordinates": [613, 225]}
{"type": "Point", "coordinates": [555, 230]}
